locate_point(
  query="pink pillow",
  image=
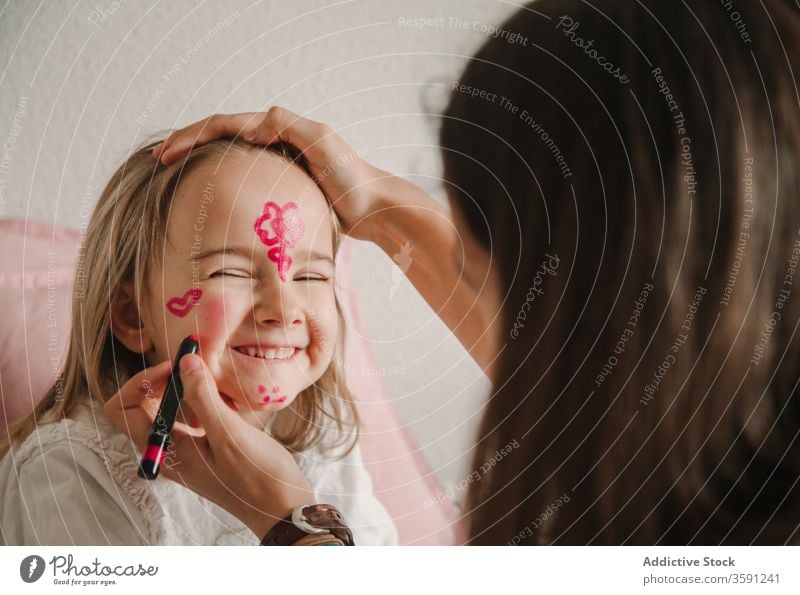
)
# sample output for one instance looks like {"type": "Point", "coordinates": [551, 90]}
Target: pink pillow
{"type": "Point", "coordinates": [35, 299]}
{"type": "Point", "coordinates": [400, 473]}
{"type": "Point", "coordinates": [36, 276]}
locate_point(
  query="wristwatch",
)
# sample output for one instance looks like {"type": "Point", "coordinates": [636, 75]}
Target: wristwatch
{"type": "Point", "coordinates": [309, 519]}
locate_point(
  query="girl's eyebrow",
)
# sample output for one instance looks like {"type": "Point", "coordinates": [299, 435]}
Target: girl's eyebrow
{"type": "Point", "coordinates": [234, 250]}
{"type": "Point", "coordinates": [313, 255]}
{"type": "Point", "coordinates": [246, 252]}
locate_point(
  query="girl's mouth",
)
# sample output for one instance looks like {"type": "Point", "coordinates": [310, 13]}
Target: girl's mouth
{"type": "Point", "coordinates": [266, 355]}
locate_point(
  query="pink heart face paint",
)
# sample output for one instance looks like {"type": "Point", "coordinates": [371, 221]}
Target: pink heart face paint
{"type": "Point", "coordinates": [280, 229]}
{"type": "Point", "coordinates": [181, 306]}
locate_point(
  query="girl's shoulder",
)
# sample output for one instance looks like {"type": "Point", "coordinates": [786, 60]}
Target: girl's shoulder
{"type": "Point", "coordinates": [335, 444]}
{"type": "Point", "coordinates": [86, 465]}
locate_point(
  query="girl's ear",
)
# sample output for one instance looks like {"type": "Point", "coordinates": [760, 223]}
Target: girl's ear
{"type": "Point", "coordinates": [126, 323]}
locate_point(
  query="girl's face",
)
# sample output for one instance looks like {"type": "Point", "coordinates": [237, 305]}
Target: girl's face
{"type": "Point", "coordinates": [248, 268]}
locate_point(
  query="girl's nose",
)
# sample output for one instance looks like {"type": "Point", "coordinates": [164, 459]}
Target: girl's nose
{"type": "Point", "coordinates": [278, 308]}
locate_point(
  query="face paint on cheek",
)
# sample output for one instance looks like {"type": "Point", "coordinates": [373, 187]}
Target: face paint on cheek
{"type": "Point", "coordinates": [267, 399]}
{"type": "Point", "coordinates": [181, 306]}
{"type": "Point", "coordinates": [215, 310]}
{"type": "Point", "coordinates": [280, 228]}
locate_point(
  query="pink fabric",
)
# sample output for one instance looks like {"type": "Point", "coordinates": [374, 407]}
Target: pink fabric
{"type": "Point", "coordinates": [36, 276]}
{"type": "Point", "coordinates": [400, 473]}
{"type": "Point", "coordinates": [36, 280]}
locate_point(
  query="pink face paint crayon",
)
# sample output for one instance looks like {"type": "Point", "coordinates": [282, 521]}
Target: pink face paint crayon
{"type": "Point", "coordinates": [156, 447]}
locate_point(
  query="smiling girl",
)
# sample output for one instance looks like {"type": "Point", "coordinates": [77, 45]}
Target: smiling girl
{"type": "Point", "coordinates": [236, 245]}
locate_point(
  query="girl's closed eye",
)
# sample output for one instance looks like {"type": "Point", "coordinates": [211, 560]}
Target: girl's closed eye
{"type": "Point", "coordinates": [231, 273]}
{"type": "Point", "coordinates": [312, 277]}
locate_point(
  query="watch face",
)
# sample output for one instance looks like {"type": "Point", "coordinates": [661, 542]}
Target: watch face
{"type": "Point", "coordinates": [300, 519]}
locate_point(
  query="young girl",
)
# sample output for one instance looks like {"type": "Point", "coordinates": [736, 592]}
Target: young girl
{"type": "Point", "coordinates": [235, 245]}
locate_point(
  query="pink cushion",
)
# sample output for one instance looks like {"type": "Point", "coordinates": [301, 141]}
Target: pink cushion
{"type": "Point", "coordinates": [400, 473]}
{"type": "Point", "coordinates": [36, 276]}
{"type": "Point", "coordinates": [35, 298]}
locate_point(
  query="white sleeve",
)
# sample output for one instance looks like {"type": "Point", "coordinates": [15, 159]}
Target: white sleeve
{"type": "Point", "coordinates": [65, 496]}
{"type": "Point", "coordinates": [347, 485]}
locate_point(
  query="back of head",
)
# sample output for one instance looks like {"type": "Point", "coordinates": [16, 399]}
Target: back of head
{"type": "Point", "coordinates": [648, 149]}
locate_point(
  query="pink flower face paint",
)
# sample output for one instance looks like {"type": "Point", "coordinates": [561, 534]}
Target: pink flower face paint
{"type": "Point", "coordinates": [181, 306]}
{"type": "Point", "coordinates": [280, 229]}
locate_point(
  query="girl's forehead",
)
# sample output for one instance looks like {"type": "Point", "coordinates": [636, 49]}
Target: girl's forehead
{"type": "Point", "coordinates": [220, 200]}
{"type": "Point", "coordinates": [251, 180]}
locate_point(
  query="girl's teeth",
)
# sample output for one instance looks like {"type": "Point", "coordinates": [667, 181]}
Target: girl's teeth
{"type": "Point", "coordinates": [273, 353]}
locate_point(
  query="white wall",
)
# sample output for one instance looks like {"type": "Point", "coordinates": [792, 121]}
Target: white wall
{"type": "Point", "coordinates": [82, 83]}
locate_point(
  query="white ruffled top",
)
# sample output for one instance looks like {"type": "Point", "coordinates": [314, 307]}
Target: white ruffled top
{"type": "Point", "coordinates": [75, 482]}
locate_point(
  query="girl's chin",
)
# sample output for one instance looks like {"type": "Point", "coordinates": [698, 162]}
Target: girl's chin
{"type": "Point", "coordinates": [266, 403]}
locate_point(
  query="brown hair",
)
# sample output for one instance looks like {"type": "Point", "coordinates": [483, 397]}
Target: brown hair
{"type": "Point", "coordinates": [123, 240]}
{"type": "Point", "coordinates": [639, 196]}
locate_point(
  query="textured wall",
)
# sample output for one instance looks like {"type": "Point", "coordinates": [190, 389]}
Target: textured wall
{"type": "Point", "coordinates": [82, 83]}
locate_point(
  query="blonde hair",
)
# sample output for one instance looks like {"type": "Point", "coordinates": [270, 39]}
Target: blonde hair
{"type": "Point", "coordinates": [122, 242]}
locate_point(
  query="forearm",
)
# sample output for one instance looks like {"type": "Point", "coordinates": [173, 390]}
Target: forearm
{"type": "Point", "coordinates": [407, 216]}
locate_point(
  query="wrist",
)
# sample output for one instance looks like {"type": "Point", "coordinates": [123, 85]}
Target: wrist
{"type": "Point", "coordinates": [262, 519]}
{"type": "Point", "coordinates": [261, 522]}
{"type": "Point", "coordinates": [262, 504]}
{"type": "Point", "coordinates": [379, 203]}
{"type": "Point", "coordinates": [379, 221]}
{"type": "Point", "coordinates": [403, 213]}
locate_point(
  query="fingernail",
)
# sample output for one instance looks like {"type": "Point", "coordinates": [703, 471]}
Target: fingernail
{"type": "Point", "coordinates": [250, 136]}
{"type": "Point", "coordinates": [189, 363]}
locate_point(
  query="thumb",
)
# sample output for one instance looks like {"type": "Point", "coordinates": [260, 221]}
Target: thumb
{"type": "Point", "coordinates": [201, 394]}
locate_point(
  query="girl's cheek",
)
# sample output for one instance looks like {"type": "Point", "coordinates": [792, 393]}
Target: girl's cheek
{"type": "Point", "coordinates": [213, 308]}
{"type": "Point", "coordinates": [211, 320]}
{"type": "Point", "coordinates": [324, 329]}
